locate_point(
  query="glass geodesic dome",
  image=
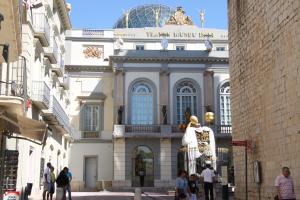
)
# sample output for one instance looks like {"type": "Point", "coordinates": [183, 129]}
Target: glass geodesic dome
{"type": "Point", "coordinates": [145, 16]}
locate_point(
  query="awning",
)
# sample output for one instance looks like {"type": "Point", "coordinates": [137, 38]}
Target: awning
{"type": "Point", "coordinates": [27, 128]}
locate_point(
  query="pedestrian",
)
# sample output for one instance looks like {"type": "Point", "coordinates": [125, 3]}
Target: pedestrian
{"type": "Point", "coordinates": [208, 175]}
{"type": "Point", "coordinates": [285, 185]}
{"type": "Point", "coordinates": [142, 177]}
{"type": "Point", "coordinates": [52, 183]}
{"type": "Point", "coordinates": [181, 189]}
{"type": "Point", "coordinates": [47, 181]}
{"type": "Point", "coordinates": [193, 187]}
{"type": "Point", "coordinates": [62, 181]}
{"type": "Point", "coordinates": [68, 188]}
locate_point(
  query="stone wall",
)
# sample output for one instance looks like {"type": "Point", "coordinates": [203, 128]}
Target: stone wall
{"type": "Point", "coordinates": [265, 88]}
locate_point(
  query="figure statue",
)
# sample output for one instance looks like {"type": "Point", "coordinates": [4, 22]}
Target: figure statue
{"type": "Point", "coordinates": [127, 19]}
{"type": "Point", "coordinates": [120, 114]}
{"type": "Point", "coordinates": [190, 140]}
{"type": "Point", "coordinates": [164, 114]}
{"type": "Point", "coordinates": [187, 115]}
{"type": "Point", "coordinates": [202, 13]}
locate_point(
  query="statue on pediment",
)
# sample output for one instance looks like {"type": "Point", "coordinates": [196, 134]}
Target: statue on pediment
{"type": "Point", "coordinates": [179, 18]}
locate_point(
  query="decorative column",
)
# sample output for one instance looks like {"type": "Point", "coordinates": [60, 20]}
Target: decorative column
{"type": "Point", "coordinates": [164, 92]}
{"type": "Point", "coordinates": [165, 160]}
{"type": "Point", "coordinates": [119, 97]}
{"type": "Point", "coordinates": [209, 88]}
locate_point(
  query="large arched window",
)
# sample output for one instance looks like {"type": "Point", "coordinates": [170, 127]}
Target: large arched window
{"type": "Point", "coordinates": [186, 100]}
{"type": "Point", "coordinates": [225, 108]}
{"type": "Point", "coordinates": [142, 104]}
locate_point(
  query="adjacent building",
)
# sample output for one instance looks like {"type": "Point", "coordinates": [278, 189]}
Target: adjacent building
{"type": "Point", "coordinates": [34, 96]}
{"type": "Point", "coordinates": [131, 87]}
{"type": "Point", "coordinates": [264, 71]}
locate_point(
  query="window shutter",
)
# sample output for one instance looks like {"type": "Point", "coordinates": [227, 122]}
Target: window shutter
{"type": "Point", "coordinates": [82, 114]}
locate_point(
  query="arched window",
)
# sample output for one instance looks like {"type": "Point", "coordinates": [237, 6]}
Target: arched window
{"type": "Point", "coordinates": [142, 104]}
{"type": "Point", "coordinates": [186, 100]}
{"type": "Point", "coordinates": [225, 108]}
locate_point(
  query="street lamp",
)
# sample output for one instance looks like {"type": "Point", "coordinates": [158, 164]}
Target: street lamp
{"type": "Point", "coordinates": [1, 19]}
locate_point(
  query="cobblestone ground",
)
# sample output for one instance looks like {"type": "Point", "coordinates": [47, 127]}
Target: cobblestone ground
{"type": "Point", "coordinates": [121, 196]}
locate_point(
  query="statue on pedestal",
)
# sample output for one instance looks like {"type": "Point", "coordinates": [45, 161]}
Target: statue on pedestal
{"type": "Point", "coordinates": [120, 115]}
{"type": "Point", "coordinates": [164, 114]}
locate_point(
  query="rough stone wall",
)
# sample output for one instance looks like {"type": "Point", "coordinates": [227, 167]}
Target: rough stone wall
{"type": "Point", "coordinates": [265, 87]}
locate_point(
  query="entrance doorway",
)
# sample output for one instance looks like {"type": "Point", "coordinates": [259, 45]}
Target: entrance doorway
{"type": "Point", "coordinates": [90, 172]}
{"type": "Point", "coordinates": [142, 167]}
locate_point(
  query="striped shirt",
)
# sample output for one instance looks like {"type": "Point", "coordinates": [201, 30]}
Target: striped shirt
{"type": "Point", "coordinates": [286, 186]}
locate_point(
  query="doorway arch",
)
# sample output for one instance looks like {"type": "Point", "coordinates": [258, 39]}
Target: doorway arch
{"type": "Point", "coordinates": [142, 167]}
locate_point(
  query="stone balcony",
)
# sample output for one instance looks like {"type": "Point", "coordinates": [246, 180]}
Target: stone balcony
{"type": "Point", "coordinates": [163, 131]}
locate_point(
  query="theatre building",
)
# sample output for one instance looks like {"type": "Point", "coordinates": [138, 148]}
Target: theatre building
{"type": "Point", "coordinates": [131, 88]}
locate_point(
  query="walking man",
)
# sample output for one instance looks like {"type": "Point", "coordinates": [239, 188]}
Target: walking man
{"type": "Point", "coordinates": [208, 176]}
{"type": "Point", "coordinates": [285, 185]}
{"type": "Point", "coordinates": [68, 188]}
{"type": "Point", "coordinates": [47, 180]}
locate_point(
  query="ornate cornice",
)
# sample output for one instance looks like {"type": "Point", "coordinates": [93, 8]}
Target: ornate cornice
{"type": "Point", "coordinates": [92, 68]}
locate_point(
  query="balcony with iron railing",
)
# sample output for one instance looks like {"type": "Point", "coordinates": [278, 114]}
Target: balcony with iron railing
{"type": "Point", "coordinates": [56, 115]}
{"type": "Point", "coordinates": [52, 52]}
{"type": "Point", "coordinates": [162, 131]}
{"type": "Point", "coordinates": [40, 94]}
{"type": "Point", "coordinates": [41, 28]}
{"type": "Point", "coordinates": [13, 86]}
{"type": "Point", "coordinates": [59, 69]}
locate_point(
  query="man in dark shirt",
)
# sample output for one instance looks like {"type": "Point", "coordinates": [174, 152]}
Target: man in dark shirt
{"type": "Point", "coordinates": [193, 185]}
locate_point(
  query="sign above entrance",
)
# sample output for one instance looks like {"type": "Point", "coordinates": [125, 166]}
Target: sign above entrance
{"type": "Point", "coordinates": [172, 32]}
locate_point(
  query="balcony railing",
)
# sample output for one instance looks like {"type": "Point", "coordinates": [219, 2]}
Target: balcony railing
{"type": "Point", "coordinates": [164, 131]}
{"type": "Point", "coordinates": [89, 134]}
{"type": "Point", "coordinates": [142, 128]}
{"type": "Point", "coordinates": [224, 129]}
{"type": "Point", "coordinates": [52, 52]}
{"type": "Point", "coordinates": [16, 85]}
{"type": "Point", "coordinates": [60, 114]}
{"type": "Point", "coordinates": [41, 27]}
{"type": "Point", "coordinates": [41, 94]}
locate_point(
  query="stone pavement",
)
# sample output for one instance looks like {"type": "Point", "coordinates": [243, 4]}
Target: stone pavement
{"type": "Point", "coordinates": [106, 195]}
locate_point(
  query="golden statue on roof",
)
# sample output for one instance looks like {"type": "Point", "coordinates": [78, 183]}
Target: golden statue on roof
{"type": "Point", "coordinates": [179, 18]}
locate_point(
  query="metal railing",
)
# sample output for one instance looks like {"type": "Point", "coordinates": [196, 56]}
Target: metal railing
{"type": "Point", "coordinates": [41, 24]}
{"type": "Point", "coordinates": [55, 49]}
{"type": "Point", "coordinates": [60, 114]}
{"type": "Point", "coordinates": [90, 134]}
{"type": "Point", "coordinates": [142, 128]}
{"type": "Point", "coordinates": [41, 92]}
{"type": "Point", "coordinates": [224, 129]}
{"type": "Point", "coordinates": [16, 83]}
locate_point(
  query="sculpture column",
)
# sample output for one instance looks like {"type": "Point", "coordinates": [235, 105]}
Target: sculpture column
{"type": "Point", "coordinates": [209, 89]}
{"type": "Point", "coordinates": [164, 92]}
{"type": "Point", "coordinates": [119, 97]}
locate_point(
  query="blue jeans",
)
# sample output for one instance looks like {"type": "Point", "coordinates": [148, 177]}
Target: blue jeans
{"type": "Point", "coordinates": [68, 189]}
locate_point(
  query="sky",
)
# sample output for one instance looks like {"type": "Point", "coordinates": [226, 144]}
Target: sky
{"type": "Point", "coordinates": [102, 14]}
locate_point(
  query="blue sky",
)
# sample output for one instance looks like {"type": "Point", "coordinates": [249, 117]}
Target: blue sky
{"type": "Point", "coordinates": [104, 13]}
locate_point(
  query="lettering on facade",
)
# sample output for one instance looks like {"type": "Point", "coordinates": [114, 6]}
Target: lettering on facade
{"type": "Point", "coordinates": [179, 35]}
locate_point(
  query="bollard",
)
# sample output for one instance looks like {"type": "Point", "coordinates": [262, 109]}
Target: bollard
{"type": "Point", "coordinates": [138, 194]}
{"type": "Point", "coordinates": [59, 193]}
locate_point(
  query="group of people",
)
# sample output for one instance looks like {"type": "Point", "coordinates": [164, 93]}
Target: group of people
{"type": "Point", "coordinates": [62, 181]}
{"type": "Point", "coordinates": [189, 187]}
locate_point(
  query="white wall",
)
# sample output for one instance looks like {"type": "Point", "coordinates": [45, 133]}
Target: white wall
{"type": "Point", "coordinates": [104, 151]}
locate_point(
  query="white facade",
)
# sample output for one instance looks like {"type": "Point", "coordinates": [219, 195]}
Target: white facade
{"type": "Point", "coordinates": [44, 92]}
{"type": "Point", "coordinates": [105, 65]}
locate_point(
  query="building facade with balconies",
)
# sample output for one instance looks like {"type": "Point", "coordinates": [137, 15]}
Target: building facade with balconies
{"type": "Point", "coordinates": [131, 87]}
{"type": "Point", "coordinates": [38, 80]}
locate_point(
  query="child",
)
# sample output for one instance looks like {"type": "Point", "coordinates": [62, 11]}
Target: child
{"type": "Point", "coordinates": [52, 183]}
{"type": "Point", "coordinates": [193, 186]}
